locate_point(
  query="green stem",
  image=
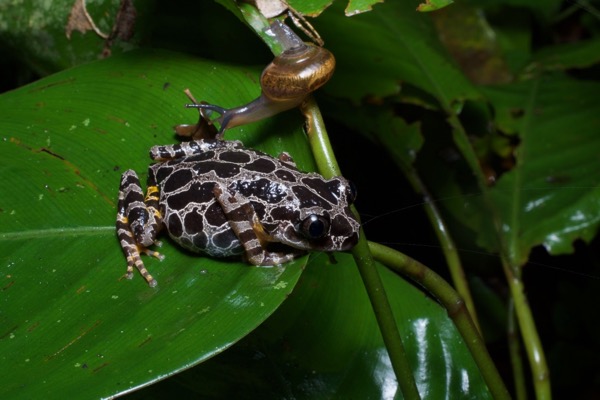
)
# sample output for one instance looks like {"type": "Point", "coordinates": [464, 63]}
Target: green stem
{"type": "Point", "coordinates": [514, 348]}
{"type": "Point", "coordinates": [531, 338]}
{"type": "Point", "coordinates": [443, 234]}
{"type": "Point", "coordinates": [318, 140]}
{"type": "Point", "coordinates": [260, 25]}
{"type": "Point", "coordinates": [388, 134]}
{"type": "Point", "coordinates": [455, 307]}
{"type": "Point", "coordinates": [328, 167]}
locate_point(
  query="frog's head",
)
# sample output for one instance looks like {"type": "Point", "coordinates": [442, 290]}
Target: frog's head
{"type": "Point", "coordinates": [322, 219]}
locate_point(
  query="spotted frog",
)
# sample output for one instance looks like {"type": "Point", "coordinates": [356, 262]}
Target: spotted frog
{"type": "Point", "coordinates": [219, 198]}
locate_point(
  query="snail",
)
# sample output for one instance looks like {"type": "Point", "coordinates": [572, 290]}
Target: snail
{"type": "Point", "coordinates": [294, 74]}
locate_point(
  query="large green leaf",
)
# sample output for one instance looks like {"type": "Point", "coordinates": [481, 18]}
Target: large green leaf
{"type": "Point", "coordinates": [552, 194]}
{"type": "Point", "coordinates": [324, 343]}
{"type": "Point", "coordinates": [346, 352]}
{"type": "Point", "coordinates": [383, 49]}
{"type": "Point", "coordinates": [69, 322]}
{"type": "Point", "coordinates": [565, 56]}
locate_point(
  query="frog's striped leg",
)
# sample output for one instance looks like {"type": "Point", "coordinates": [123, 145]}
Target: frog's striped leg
{"type": "Point", "coordinates": [138, 222]}
{"type": "Point", "coordinates": [246, 226]}
{"type": "Point", "coordinates": [185, 149]}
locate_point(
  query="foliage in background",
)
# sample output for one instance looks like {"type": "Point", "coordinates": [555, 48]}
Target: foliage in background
{"type": "Point", "coordinates": [488, 109]}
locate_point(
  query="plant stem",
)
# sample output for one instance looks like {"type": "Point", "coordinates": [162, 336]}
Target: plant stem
{"type": "Point", "coordinates": [389, 129]}
{"type": "Point", "coordinates": [443, 234]}
{"type": "Point", "coordinates": [531, 338]}
{"type": "Point", "coordinates": [328, 167]}
{"type": "Point", "coordinates": [455, 307]}
{"type": "Point", "coordinates": [512, 271]}
{"type": "Point", "coordinates": [514, 348]}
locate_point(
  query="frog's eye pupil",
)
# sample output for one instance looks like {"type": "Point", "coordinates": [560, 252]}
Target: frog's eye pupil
{"type": "Point", "coordinates": [314, 226]}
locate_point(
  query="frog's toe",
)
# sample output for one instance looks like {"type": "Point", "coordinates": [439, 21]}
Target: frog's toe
{"type": "Point", "coordinates": [154, 254]}
{"type": "Point", "coordinates": [151, 281]}
{"type": "Point", "coordinates": [135, 263]}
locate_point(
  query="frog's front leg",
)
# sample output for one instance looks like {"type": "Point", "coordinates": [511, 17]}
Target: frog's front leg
{"type": "Point", "coordinates": [245, 224]}
{"type": "Point", "coordinates": [138, 222]}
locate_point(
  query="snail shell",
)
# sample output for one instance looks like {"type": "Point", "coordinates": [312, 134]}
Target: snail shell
{"type": "Point", "coordinates": [285, 83]}
{"type": "Point", "coordinates": [297, 72]}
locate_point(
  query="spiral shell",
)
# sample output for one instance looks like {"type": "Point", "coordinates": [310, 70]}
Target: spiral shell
{"type": "Point", "coordinates": [297, 72]}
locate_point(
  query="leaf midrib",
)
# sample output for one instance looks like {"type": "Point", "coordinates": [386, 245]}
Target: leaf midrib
{"type": "Point", "coordinates": [515, 212]}
{"type": "Point", "coordinates": [56, 232]}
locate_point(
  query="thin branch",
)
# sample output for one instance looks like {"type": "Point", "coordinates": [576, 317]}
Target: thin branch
{"type": "Point", "coordinates": [328, 167]}
{"type": "Point", "coordinates": [515, 351]}
{"type": "Point", "coordinates": [447, 296]}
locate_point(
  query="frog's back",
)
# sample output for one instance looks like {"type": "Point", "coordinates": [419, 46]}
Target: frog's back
{"type": "Point", "coordinates": [192, 215]}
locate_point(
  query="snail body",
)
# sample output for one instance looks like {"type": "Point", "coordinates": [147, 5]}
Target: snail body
{"type": "Point", "coordinates": [285, 83]}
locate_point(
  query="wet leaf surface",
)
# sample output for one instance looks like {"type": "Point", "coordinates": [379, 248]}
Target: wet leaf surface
{"type": "Point", "coordinates": [69, 321]}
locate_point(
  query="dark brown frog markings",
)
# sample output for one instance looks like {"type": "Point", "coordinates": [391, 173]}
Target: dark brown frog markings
{"type": "Point", "coordinates": [218, 198]}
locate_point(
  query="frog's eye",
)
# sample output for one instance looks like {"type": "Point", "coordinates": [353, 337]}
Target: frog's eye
{"type": "Point", "coordinates": [351, 192]}
{"type": "Point", "coordinates": [314, 226]}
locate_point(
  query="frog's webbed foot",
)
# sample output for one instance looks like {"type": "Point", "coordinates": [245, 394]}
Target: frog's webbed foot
{"type": "Point", "coordinates": [132, 251]}
{"type": "Point", "coordinates": [153, 253]}
{"type": "Point", "coordinates": [134, 261]}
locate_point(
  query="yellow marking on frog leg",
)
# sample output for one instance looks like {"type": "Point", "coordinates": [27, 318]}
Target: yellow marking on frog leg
{"type": "Point", "coordinates": [152, 194]}
{"type": "Point", "coordinates": [127, 239]}
{"type": "Point", "coordinates": [153, 253]}
{"type": "Point", "coordinates": [261, 234]}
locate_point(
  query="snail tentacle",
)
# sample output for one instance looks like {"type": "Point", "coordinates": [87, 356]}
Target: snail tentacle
{"type": "Point", "coordinates": [285, 83]}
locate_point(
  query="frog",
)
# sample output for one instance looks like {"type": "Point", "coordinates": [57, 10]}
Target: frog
{"type": "Point", "coordinates": [216, 197]}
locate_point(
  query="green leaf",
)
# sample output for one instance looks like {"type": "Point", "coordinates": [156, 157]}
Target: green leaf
{"type": "Point", "coordinates": [326, 312]}
{"type": "Point", "coordinates": [310, 7]}
{"type": "Point", "coordinates": [565, 56]}
{"type": "Point", "coordinates": [324, 342]}
{"type": "Point", "coordinates": [465, 32]}
{"type": "Point", "coordinates": [433, 5]}
{"type": "Point", "coordinates": [551, 196]}
{"type": "Point", "coordinates": [360, 6]}
{"type": "Point", "coordinates": [390, 46]}
{"type": "Point", "coordinates": [69, 322]}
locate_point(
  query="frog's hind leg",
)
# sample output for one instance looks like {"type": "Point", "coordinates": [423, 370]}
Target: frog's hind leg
{"type": "Point", "coordinates": [246, 226]}
{"type": "Point", "coordinates": [137, 223]}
